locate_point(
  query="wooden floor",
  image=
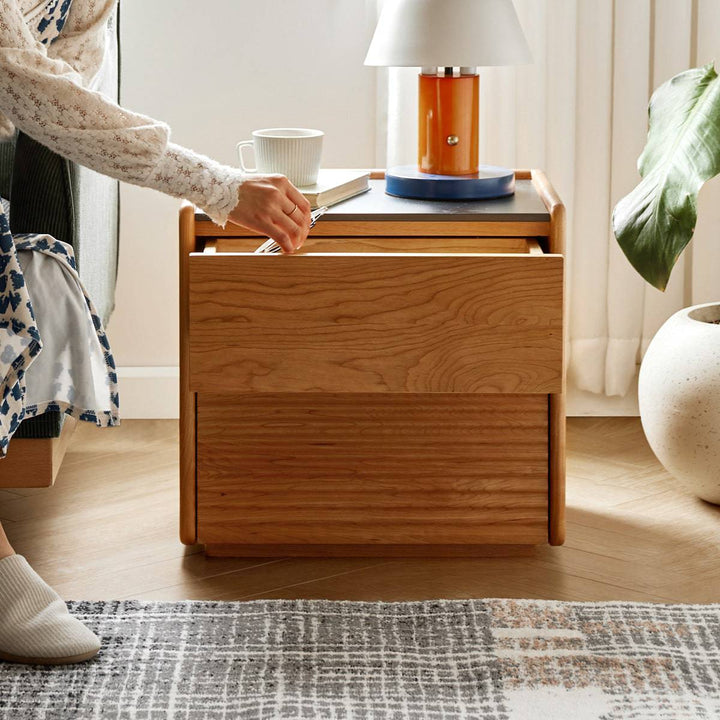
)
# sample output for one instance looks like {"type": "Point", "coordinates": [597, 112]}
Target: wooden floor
{"type": "Point", "coordinates": [108, 529]}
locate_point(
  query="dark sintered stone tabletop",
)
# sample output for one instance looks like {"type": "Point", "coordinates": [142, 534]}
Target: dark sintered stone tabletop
{"type": "Point", "coordinates": [376, 205]}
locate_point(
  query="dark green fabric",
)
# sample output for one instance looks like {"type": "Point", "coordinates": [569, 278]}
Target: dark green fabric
{"type": "Point", "coordinates": [41, 200]}
{"type": "Point", "coordinates": [47, 425]}
{"type": "Point", "coordinates": [7, 156]}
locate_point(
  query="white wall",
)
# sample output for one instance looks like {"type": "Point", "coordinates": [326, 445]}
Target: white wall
{"type": "Point", "coordinates": [214, 71]}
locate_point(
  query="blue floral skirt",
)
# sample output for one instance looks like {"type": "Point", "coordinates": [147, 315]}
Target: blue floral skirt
{"type": "Point", "coordinates": [77, 374]}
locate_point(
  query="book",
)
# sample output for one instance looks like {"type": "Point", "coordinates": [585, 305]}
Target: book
{"type": "Point", "coordinates": [332, 186]}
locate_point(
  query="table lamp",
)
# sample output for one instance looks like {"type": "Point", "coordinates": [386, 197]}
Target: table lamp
{"type": "Point", "coordinates": [448, 40]}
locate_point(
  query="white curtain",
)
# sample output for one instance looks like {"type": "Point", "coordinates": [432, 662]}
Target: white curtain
{"type": "Point", "coordinates": [580, 113]}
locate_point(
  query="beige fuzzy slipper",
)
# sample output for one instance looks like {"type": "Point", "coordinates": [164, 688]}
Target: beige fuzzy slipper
{"type": "Point", "coordinates": [35, 625]}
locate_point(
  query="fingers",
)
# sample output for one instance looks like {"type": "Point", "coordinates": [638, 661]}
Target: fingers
{"type": "Point", "coordinates": [298, 210]}
{"type": "Point", "coordinates": [263, 226]}
{"type": "Point", "coordinates": [302, 220]}
{"type": "Point", "coordinates": [271, 205]}
{"type": "Point", "coordinates": [287, 234]}
{"type": "Point", "coordinates": [297, 198]}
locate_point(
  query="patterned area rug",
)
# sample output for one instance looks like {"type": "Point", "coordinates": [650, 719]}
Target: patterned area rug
{"type": "Point", "coordinates": [488, 659]}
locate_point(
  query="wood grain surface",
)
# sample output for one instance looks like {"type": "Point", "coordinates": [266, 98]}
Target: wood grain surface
{"type": "Point", "coordinates": [380, 315]}
{"type": "Point", "coordinates": [35, 462]}
{"type": "Point", "coordinates": [557, 468]}
{"type": "Point", "coordinates": [557, 402]}
{"type": "Point", "coordinates": [376, 323]}
{"type": "Point", "coordinates": [403, 228]}
{"type": "Point", "coordinates": [188, 244]}
{"type": "Point", "coordinates": [367, 551]}
{"type": "Point", "coordinates": [372, 469]}
{"type": "Point", "coordinates": [440, 245]}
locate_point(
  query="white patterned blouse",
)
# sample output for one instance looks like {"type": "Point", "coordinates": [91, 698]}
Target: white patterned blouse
{"type": "Point", "coordinates": [46, 90]}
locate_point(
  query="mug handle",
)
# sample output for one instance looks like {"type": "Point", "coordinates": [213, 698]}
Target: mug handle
{"type": "Point", "coordinates": [239, 147]}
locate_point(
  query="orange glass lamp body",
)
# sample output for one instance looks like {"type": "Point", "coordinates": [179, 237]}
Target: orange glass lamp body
{"type": "Point", "coordinates": [448, 40]}
{"type": "Point", "coordinates": [448, 124]}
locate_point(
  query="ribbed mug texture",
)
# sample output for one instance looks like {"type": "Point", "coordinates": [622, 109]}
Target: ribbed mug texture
{"type": "Point", "coordinates": [296, 154]}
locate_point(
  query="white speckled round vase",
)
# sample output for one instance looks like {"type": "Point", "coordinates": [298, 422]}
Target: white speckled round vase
{"type": "Point", "coordinates": [293, 152]}
{"type": "Point", "coordinates": [679, 394]}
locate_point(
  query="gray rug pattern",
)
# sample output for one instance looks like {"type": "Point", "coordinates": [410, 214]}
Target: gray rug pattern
{"type": "Point", "coordinates": [441, 660]}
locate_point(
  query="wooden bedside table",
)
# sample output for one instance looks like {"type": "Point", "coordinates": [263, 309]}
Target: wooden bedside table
{"type": "Point", "coordinates": [397, 388]}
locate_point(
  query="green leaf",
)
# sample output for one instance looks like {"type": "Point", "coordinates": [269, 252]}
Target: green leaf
{"type": "Point", "coordinates": [655, 222]}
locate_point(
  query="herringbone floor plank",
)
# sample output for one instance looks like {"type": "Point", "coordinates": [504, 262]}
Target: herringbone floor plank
{"type": "Point", "coordinates": [108, 529]}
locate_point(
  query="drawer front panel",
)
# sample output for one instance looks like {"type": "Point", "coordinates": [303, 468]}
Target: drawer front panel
{"type": "Point", "coordinates": [372, 469]}
{"type": "Point", "coordinates": [376, 323]}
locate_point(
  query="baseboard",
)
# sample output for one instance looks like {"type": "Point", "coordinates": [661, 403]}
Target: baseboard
{"type": "Point", "coordinates": [149, 393]}
{"type": "Point", "coordinates": [583, 404]}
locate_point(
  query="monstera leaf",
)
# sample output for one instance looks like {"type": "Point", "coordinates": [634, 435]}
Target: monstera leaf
{"type": "Point", "coordinates": [655, 222]}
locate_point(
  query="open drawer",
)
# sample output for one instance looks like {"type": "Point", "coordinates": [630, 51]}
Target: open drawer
{"type": "Point", "coordinates": [366, 315]}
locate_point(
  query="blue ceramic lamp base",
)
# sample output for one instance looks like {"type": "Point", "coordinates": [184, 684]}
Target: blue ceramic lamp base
{"type": "Point", "coordinates": [490, 182]}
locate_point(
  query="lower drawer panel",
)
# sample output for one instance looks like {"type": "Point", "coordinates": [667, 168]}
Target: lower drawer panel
{"type": "Point", "coordinates": [294, 468]}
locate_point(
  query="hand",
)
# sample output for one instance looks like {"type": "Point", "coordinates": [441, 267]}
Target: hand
{"type": "Point", "coordinates": [271, 205]}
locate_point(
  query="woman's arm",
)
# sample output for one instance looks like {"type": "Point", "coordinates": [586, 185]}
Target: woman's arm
{"type": "Point", "coordinates": [43, 95]}
{"type": "Point", "coordinates": [84, 38]}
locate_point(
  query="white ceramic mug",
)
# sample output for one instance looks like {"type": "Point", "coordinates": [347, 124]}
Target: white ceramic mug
{"type": "Point", "coordinates": [294, 152]}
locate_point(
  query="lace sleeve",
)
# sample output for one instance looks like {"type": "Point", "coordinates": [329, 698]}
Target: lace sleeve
{"type": "Point", "coordinates": [84, 37]}
{"type": "Point", "coordinates": [45, 97]}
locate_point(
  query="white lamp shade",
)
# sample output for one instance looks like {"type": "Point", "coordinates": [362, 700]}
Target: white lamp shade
{"type": "Point", "coordinates": [448, 33]}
